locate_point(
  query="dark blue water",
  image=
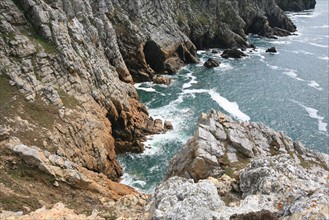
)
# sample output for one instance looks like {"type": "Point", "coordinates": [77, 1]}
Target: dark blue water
{"type": "Point", "coordinates": [288, 91]}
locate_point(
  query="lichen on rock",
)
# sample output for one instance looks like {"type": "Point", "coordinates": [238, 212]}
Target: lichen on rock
{"type": "Point", "coordinates": [269, 171]}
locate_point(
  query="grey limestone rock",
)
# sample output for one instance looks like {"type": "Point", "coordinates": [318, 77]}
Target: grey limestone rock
{"type": "Point", "coordinates": [255, 167]}
{"type": "Point", "coordinates": [179, 198]}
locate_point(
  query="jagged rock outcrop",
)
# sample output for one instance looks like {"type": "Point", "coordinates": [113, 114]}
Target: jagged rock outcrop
{"type": "Point", "coordinates": [183, 199]}
{"type": "Point", "coordinates": [253, 167]}
{"type": "Point", "coordinates": [271, 50]}
{"type": "Point", "coordinates": [210, 63]}
{"type": "Point", "coordinates": [296, 5]}
{"type": "Point", "coordinates": [66, 90]}
{"type": "Point", "coordinates": [233, 53]}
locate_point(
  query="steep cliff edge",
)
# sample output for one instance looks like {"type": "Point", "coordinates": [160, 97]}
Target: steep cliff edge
{"type": "Point", "coordinates": [66, 97]}
{"type": "Point", "coordinates": [242, 170]}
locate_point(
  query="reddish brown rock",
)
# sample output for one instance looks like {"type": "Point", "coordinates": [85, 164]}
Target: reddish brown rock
{"type": "Point", "coordinates": [161, 80]}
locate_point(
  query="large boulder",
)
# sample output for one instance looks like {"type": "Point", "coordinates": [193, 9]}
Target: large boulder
{"type": "Point", "coordinates": [211, 63]}
{"type": "Point", "coordinates": [233, 53]}
{"type": "Point", "coordinates": [254, 168]}
{"type": "Point", "coordinates": [179, 198]}
{"type": "Point", "coordinates": [271, 50]}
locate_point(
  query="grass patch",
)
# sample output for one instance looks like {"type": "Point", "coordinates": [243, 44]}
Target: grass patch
{"type": "Point", "coordinates": [8, 95]}
{"type": "Point", "coordinates": [181, 19]}
{"type": "Point", "coordinates": [16, 203]}
{"type": "Point", "coordinates": [203, 19]}
{"type": "Point", "coordinates": [12, 101]}
{"type": "Point", "coordinates": [39, 113]}
{"type": "Point", "coordinates": [46, 44]}
{"type": "Point", "coordinates": [120, 29]}
{"type": "Point", "coordinates": [69, 101]}
{"type": "Point", "coordinates": [8, 36]}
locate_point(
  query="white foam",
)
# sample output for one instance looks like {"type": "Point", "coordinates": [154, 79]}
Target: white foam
{"type": "Point", "coordinates": [324, 58]}
{"type": "Point", "coordinates": [313, 113]}
{"type": "Point", "coordinates": [231, 107]}
{"type": "Point", "coordinates": [224, 67]}
{"type": "Point", "coordinates": [314, 85]}
{"type": "Point", "coordinates": [129, 180]}
{"type": "Point", "coordinates": [319, 45]}
{"type": "Point", "coordinates": [272, 67]}
{"type": "Point", "coordinates": [192, 81]}
{"type": "Point", "coordinates": [138, 86]}
{"type": "Point", "coordinates": [201, 52]}
{"type": "Point", "coordinates": [147, 89]}
{"type": "Point", "coordinates": [292, 74]}
{"type": "Point", "coordinates": [302, 52]}
{"type": "Point", "coordinates": [322, 26]}
{"type": "Point", "coordinates": [305, 14]}
{"type": "Point", "coordinates": [202, 60]}
{"type": "Point", "coordinates": [281, 42]}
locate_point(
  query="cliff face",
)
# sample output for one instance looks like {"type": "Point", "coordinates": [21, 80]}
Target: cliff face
{"type": "Point", "coordinates": [296, 5]}
{"type": "Point", "coordinates": [65, 92]}
{"type": "Point", "coordinates": [66, 73]}
{"type": "Point", "coordinates": [160, 36]}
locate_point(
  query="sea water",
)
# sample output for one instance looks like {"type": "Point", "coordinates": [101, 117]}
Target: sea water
{"type": "Point", "coordinates": [287, 91]}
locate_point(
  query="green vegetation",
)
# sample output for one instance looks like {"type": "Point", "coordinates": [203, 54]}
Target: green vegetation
{"type": "Point", "coordinates": [41, 113]}
{"type": "Point", "coordinates": [203, 19]}
{"type": "Point", "coordinates": [181, 19]}
{"type": "Point", "coordinates": [8, 94]}
{"type": "Point", "coordinates": [120, 29]}
{"type": "Point", "coordinates": [69, 101]}
{"type": "Point", "coordinates": [47, 45]}
{"type": "Point", "coordinates": [38, 113]}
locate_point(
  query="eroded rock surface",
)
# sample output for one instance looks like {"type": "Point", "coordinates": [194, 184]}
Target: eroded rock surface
{"type": "Point", "coordinates": [253, 167]}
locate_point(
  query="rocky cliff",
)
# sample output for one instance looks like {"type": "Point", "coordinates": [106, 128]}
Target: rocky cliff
{"type": "Point", "coordinates": [68, 104]}
{"type": "Point", "coordinates": [160, 36]}
{"type": "Point", "coordinates": [242, 170]}
{"type": "Point", "coordinates": [296, 5]}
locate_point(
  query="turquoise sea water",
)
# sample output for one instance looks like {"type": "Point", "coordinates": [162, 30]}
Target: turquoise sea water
{"type": "Point", "coordinates": [287, 91]}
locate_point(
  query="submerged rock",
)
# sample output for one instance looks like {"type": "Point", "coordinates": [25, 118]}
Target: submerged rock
{"type": "Point", "coordinates": [233, 53]}
{"type": "Point", "coordinates": [210, 63]}
{"type": "Point", "coordinates": [271, 50]}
